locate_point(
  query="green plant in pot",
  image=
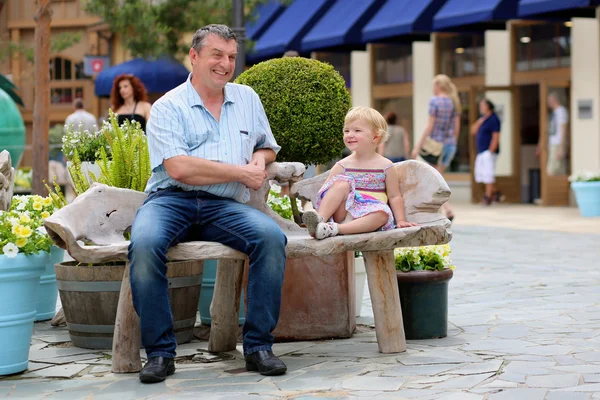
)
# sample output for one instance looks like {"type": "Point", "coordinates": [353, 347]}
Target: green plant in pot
{"type": "Point", "coordinates": [423, 275]}
{"type": "Point", "coordinates": [123, 163]}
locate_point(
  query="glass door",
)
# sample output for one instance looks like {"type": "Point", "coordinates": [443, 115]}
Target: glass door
{"type": "Point", "coordinates": [508, 178]}
{"type": "Point", "coordinates": [554, 143]}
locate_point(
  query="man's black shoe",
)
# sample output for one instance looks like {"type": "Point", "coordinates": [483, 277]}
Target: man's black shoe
{"type": "Point", "coordinates": [266, 363]}
{"type": "Point", "coordinates": [157, 369]}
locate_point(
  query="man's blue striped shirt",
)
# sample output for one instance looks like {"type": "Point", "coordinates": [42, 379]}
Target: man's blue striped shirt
{"type": "Point", "coordinates": [179, 124]}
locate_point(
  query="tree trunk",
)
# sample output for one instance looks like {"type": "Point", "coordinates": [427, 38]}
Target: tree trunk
{"type": "Point", "coordinates": [42, 97]}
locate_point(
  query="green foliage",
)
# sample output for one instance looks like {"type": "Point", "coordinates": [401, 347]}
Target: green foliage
{"type": "Point", "coordinates": [585, 176]}
{"type": "Point", "coordinates": [126, 162]}
{"type": "Point", "coordinates": [152, 29]}
{"type": "Point", "coordinates": [10, 89]}
{"type": "Point", "coordinates": [58, 43]}
{"type": "Point", "coordinates": [281, 204]}
{"type": "Point", "coordinates": [425, 258]}
{"type": "Point", "coordinates": [305, 101]}
{"type": "Point", "coordinates": [87, 144]}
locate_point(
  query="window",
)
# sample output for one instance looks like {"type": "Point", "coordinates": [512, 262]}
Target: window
{"type": "Point", "coordinates": [340, 62]}
{"type": "Point", "coordinates": [64, 74]}
{"type": "Point", "coordinates": [393, 63]}
{"type": "Point", "coordinates": [543, 46]}
{"type": "Point", "coordinates": [462, 55]}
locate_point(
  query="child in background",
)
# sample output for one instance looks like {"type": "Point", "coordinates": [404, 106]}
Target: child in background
{"type": "Point", "coordinates": [361, 186]}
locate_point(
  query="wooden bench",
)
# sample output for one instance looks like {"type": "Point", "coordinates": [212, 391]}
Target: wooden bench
{"type": "Point", "coordinates": [102, 214]}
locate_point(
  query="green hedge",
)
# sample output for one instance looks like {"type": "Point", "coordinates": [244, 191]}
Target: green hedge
{"type": "Point", "coordinates": [306, 101]}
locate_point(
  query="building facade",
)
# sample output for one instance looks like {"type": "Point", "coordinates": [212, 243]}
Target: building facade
{"type": "Point", "coordinates": [66, 69]}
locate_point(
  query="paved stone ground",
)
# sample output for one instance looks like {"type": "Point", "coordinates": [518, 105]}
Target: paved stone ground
{"type": "Point", "coordinates": [525, 324]}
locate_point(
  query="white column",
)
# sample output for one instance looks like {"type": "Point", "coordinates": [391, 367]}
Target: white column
{"type": "Point", "coordinates": [585, 86]}
{"type": "Point", "coordinates": [497, 73]}
{"type": "Point", "coordinates": [423, 73]}
{"type": "Point", "coordinates": [360, 75]}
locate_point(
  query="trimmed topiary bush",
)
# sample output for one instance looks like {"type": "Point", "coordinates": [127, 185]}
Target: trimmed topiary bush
{"type": "Point", "coordinates": [305, 101]}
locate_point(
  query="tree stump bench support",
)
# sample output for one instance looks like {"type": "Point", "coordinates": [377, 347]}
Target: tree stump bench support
{"type": "Point", "coordinates": [102, 214]}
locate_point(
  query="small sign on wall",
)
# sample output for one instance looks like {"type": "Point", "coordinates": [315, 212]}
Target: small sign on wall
{"type": "Point", "coordinates": [585, 109]}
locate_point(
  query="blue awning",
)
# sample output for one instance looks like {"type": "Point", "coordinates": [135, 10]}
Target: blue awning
{"type": "Point", "coordinates": [564, 9]}
{"type": "Point", "coordinates": [287, 31]}
{"type": "Point", "coordinates": [401, 17]}
{"type": "Point", "coordinates": [158, 76]}
{"type": "Point", "coordinates": [341, 26]}
{"type": "Point", "coordinates": [265, 14]}
{"type": "Point", "coordinates": [459, 15]}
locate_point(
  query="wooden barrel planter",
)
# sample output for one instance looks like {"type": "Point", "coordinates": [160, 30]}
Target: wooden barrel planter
{"type": "Point", "coordinates": [90, 295]}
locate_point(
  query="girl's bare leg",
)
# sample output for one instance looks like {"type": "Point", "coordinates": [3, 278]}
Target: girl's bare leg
{"type": "Point", "coordinates": [334, 201]}
{"type": "Point", "coordinates": [369, 223]}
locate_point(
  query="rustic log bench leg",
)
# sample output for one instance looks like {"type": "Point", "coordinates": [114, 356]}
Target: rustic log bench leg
{"type": "Point", "coordinates": [127, 338]}
{"type": "Point", "coordinates": [225, 306]}
{"type": "Point", "coordinates": [383, 287]}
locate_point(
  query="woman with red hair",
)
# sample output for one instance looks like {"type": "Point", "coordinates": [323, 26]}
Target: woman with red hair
{"type": "Point", "coordinates": [128, 100]}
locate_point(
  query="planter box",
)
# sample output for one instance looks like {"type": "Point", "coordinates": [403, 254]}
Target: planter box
{"type": "Point", "coordinates": [424, 301]}
{"type": "Point", "coordinates": [318, 300]}
{"type": "Point", "coordinates": [587, 195]}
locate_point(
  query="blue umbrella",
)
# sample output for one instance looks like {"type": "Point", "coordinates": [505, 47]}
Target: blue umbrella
{"type": "Point", "coordinates": [159, 76]}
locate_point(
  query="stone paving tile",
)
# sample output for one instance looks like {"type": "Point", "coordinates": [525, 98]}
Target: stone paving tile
{"type": "Point", "coordinates": [519, 394]}
{"type": "Point", "coordinates": [552, 381]}
{"type": "Point", "coordinates": [567, 396]}
{"type": "Point", "coordinates": [372, 383]}
{"type": "Point", "coordinates": [58, 371]}
{"type": "Point", "coordinates": [462, 382]}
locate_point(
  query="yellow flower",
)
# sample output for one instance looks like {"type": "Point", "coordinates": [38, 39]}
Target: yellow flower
{"type": "Point", "coordinates": [21, 242]}
{"type": "Point", "coordinates": [24, 232]}
{"type": "Point", "coordinates": [45, 214]}
{"type": "Point", "coordinates": [37, 205]}
{"type": "Point", "coordinates": [16, 229]}
{"type": "Point", "coordinates": [25, 218]}
{"type": "Point", "coordinates": [47, 202]}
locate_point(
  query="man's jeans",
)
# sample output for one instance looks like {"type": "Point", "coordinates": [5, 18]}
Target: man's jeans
{"type": "Point", "coordinates": [171, 216]}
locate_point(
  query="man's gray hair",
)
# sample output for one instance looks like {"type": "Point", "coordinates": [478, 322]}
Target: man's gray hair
{"type": "Point", "coordinates": [213, 29]}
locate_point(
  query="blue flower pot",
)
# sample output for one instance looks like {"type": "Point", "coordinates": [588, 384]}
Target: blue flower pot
{"type": "Point", "coordinates": [587, 195]}
{"type": "Point", "coordinates": [48, 292]}
{"type": "Point", "coordinates": [206, 293]}
{"type": "Point", "coordinates": [19, 284]}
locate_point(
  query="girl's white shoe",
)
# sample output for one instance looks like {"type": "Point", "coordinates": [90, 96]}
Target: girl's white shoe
{"type": "Point", "coordinates": [311, 219]}
{"type": "Point", "coordinates": [326, 229]}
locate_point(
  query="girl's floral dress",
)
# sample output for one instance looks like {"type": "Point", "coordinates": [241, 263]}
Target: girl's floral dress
{"type": "Point", "coordinates": [367, 193]}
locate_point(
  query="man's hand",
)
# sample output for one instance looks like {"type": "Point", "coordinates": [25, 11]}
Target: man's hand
{"type": "Point", "coordinates": [253, 175]}
{"type": "Point", "coordinates": [405, 224]}
{"type": "Point", "coordinates": [560, 154]}
{"type": "Point", "coordinates": [258, 159]}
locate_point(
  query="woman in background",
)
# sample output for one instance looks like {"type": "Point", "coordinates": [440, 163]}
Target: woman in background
{"type": "Point", "coordinates": [437, 145]}
{"type": "Point", "coordinates": [128, 99]}
{"type": "Point", "coordinates": [397, 146]}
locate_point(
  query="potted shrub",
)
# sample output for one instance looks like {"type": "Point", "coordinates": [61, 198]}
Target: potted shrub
{"type": "Point", "coordinates": [305, 102]}
{"type": "Point", "coordinates": [586, 187]}
{"type": "Point", "coordinates": [423, 275]}
{"type": "Point", "coordinates": [24, 255]}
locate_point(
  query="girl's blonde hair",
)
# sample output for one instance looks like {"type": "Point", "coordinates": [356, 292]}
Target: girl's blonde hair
{"type": "Point", "coordinates": [372, 117]}
{"type": "Point", "coordinates": [445, 84]}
